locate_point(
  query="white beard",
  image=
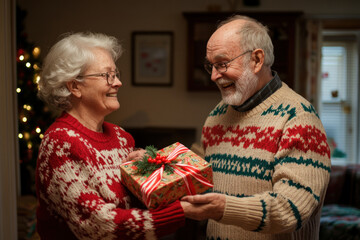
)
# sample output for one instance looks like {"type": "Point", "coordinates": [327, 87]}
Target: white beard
{"type": "Point", "coordinates": [245, 87]}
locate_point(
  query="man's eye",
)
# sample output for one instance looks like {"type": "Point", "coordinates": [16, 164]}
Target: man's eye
{"type": "Point", "coordinates": [221, 65]}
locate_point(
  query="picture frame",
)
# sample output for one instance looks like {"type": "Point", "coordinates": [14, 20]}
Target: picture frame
{"type": "Point", "coordinates": [152, 58]}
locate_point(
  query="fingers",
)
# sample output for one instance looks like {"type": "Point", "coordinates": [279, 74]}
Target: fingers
{"type": "Point", "coordinates": [201, 207]}
{"type": "Point", "coordinates": [139, 154]}
{"type": "Point", "coordinates": [191, 211]}
{"type": "Point", "coordinates": [185, 205]}
{"type": "Point", "coordinates": [135, 155]}
{"type": "Point", "coordinates": [196, 199]}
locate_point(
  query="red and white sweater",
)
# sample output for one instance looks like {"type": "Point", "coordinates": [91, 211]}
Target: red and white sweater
{"type": "Point", "coordinates": [79, 187]}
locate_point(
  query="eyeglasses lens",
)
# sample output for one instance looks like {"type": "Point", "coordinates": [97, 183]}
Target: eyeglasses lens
{"type": "Point", "coordinates": [110, 76]}
{"type": "Point", "coordinates": [220, 67]}
{"type": "Point", "coordinates": [208, 67]}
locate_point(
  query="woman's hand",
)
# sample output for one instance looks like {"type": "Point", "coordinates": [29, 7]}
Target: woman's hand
{"type": "Point", "coordinates": [137, 154]}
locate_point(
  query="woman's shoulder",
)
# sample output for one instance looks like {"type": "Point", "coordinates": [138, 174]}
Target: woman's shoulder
{"type": "Point", "coordinates": [108, 126]}
{"type": "Point", "coordinates": [120, 132]}
{"type": "Point", "coordinates": [59, 133]}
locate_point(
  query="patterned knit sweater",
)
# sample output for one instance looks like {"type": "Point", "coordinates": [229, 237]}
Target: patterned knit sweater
{"type": "Point", "coordinates": [80, 191]}
{"type": "Point", "coordinates": [273, 164]}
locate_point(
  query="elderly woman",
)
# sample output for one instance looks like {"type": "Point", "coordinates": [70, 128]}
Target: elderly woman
{"type": "Point", "coordinates": [78, 176]}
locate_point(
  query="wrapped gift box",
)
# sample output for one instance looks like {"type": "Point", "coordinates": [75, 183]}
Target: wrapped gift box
{"type": "Point", "coordinates": [172, 186]}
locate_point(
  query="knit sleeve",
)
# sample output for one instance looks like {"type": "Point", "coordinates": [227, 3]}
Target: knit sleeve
{"type": "Point", "coordinates": [89, 196]}
{"type": "Point", "coordinates": [299, 181]}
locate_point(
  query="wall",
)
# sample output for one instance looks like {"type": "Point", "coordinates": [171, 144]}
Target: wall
{"type": "Point", "coordinates": [152, 106]}
{"type": "Point", "coordinates": [8, 139]}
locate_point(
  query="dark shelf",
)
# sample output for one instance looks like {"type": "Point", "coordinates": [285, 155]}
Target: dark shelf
{"type": "Point", "coordinates": [201, 25]}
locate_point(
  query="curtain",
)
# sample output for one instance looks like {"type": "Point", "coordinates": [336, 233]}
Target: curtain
{"type": "Point", "coordinates": [313, 60]}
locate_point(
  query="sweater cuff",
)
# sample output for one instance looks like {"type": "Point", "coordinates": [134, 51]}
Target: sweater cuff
{"type": "Point", "coordinates": [243, 212]}
{"type": "Point", "coordinates": [167, 220]}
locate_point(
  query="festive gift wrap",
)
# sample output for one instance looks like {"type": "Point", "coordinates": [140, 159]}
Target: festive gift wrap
{"type": "Point", "coordinates": [166, 175]}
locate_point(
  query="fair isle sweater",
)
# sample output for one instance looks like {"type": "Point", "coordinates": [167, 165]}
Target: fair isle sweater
{"type": "Point", "coordinates": [80, 192]}
{"type": "Point", "coordinates": [273, 164]}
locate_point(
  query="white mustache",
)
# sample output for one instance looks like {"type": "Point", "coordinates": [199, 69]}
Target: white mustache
{"type": "Point", "coordinates": [223, 81]}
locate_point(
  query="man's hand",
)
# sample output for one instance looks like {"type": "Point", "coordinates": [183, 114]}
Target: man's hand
{"type": "Point", "coordinates": [206, 206]}
{"type": "Point", "coordinates": [135, 155]}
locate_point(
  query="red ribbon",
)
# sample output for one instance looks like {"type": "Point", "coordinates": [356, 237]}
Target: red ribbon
{"type": "Point", "coordinates": [154, 179]}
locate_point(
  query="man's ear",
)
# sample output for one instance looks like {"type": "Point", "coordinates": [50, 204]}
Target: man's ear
{"type": "Point", "coordinates": [258, 57]}
{"type": "Point", "coordinates": [73, 87]}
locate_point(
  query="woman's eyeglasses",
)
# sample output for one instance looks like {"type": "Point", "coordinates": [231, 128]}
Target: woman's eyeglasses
{"type": "Point", "coordinates": [109, 76]}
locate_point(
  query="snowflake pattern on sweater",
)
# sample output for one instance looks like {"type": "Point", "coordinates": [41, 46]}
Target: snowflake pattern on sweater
{"type": "Point", "coordinates": [80, 191]}
{"type": "Point", "coordinates": [273, 163]}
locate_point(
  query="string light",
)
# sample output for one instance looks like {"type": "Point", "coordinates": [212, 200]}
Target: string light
{"type": "Point", "coordinates": [27, 135]}
{"type": "Point", "coordinates": [36, 52]}
{"type": "Point", "coordinates": [31, 126]}
{"type": "Point", "coordinates": [27, 107]}
{"type": "Point", "coordinates": [36, 67]}
{"type": "Point", "coordinates": [36, 78]}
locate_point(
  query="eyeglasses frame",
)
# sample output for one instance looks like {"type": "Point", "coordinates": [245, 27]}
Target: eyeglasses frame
{"type": "Point", "coordinates": [105, 74]}
{"type": "Point", "coordinates": [225, 63]}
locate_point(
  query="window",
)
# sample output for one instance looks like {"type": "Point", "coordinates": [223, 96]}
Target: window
{"type": "Point", "coordinates": [338, 108]}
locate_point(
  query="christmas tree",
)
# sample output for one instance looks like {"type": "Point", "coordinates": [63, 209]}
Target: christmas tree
{"type": "Point", "coordinates": [34, 116]}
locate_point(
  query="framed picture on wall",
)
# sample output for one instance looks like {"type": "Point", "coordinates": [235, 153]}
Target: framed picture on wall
{"type": "Point", "coordinates": [152, 58]}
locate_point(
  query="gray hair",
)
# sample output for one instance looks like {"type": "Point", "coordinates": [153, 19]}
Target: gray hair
{"type": "Point", "coordinates": [66, 60]}
{"type": "Point", "coordinates": [254, 35]}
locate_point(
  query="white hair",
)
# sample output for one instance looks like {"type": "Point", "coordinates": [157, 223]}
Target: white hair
{"type": "Point", "coordinates": [254, 35]}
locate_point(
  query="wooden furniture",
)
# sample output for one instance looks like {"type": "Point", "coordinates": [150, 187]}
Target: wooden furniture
{"type": "Point", "coordinates": [201, 25]}
{"type": "Point", "coordinates": [161, 137]}
{"type": "Point", "coordinates": [340, 215]}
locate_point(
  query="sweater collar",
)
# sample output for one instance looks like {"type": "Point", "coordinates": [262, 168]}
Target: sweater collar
{"type": "Point", "coordinates": [104, 136]}
{"type": "Point", "coordinates": [261, 95]}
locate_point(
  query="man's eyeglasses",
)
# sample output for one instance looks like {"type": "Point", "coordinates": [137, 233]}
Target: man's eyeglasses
{"type": "Point", "coordinates": [109, 76]}
{"type": "Point", "coordinates": [221, 67]}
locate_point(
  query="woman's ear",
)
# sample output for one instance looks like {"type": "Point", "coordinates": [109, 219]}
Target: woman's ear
{"type": "Point", "coordinates": [258, 57]}
{"type": "Point", "coordinates": [73, 87]}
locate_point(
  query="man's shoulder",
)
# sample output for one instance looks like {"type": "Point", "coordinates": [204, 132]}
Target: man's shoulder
{"type": "Point", "coordinates": [288, 102]}
{"type": "Point", "coordinates": [220, 109]}
{"type": "Point", "coordinates": [288, 95]}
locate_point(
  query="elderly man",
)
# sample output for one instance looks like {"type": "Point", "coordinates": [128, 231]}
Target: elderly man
{"type": "Point", "coordinates": [266, 144]}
